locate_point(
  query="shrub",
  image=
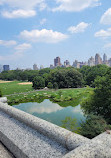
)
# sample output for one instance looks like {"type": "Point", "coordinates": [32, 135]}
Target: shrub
{"type": "Point", "coordinates": [55, 86]}
{"type": "Point", "coordinates": [38, 82]}
{"type": "Point", "coordinates": [50, 85]}
{"type": "Point", "coordinates": [93, 126]}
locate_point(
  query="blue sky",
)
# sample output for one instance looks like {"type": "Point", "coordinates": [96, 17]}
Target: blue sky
{"type": "Point", "coordinates": [36, 31]}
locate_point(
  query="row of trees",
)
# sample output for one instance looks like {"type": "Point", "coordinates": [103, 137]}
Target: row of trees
{"type": "Point", "coordinates": [20, 75]}
{"type": "Point", "coordinates": [58, 77]}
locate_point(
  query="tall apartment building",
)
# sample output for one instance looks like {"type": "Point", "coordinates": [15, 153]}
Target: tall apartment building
{"type": "Point", "coordinates": [1, 68]}
{"type": "Point", "coordinates": [35, 67]}
{"type": "Point", "coordinates": [57, 61]}
{"type": "Point", "coordinates": [105, 61]}
{"type": "Point", "coordinates": [109, 62]}
{"type": "Point", "coordinates": [98, 59]}
{"type": "Point", "coordinates": [104, 58]}
{"type": "Point", "coordinates": [91, 61]}
{"type": "Point", "coordinates": [76, 64]}
{"type": "Point", "coordinates": [66, 63]}
{"type": "Point", "coordinates": [6, 67]}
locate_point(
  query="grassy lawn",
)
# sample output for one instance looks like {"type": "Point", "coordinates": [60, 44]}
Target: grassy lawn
{"type": "Point", "coordinates": [60, 96]}
{"type": "Point", "coordinates": [63, 96]}
{"type": "Point", "coordinates": [14, 87]}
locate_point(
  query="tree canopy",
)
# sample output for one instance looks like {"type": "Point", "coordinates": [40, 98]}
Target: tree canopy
{"type": "Point", "coordinates": [99, 103]}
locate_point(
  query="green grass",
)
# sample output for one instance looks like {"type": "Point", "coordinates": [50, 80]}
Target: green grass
{"type": "Point", "coordinates": [63, 96]}
{"type": "Point", "coordinates": [14, 87]}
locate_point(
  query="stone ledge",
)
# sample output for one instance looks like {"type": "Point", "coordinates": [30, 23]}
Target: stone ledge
{"type": "Point", "coordinates": [25, 142]}
{"type": "Point", "coordinates": [27, 136]}
{"type": "Point", "coordinates": [66, 138]}
{"type": "Point", "coordinates": [4, 153]}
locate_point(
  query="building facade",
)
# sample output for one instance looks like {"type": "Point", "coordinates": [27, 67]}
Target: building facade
{"type": "Point", "coordinates": [91, 61]}
{"type": "Point", "coordinates": [35, 67]}
{"type": "Point", "coordinates": [98, 59]}
{"type": "Point", "coordinates": [6, 67]}
{"type": "Point", "coordinates": [57, 62]}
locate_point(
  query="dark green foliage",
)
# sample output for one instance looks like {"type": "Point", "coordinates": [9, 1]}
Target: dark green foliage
{"type": "Point", "coordinates": [44, 71]}
{"type": "Point", "coordinates": [50, 85]}
{"type": "Point", "coordinates": [90, 73]}
{"type": "Point", "coordinates": [93, 126]}
{"type": "Point", "coordinates": [0, 93]}
{"type": "Point", "coordinates": [20, 75]}
{"type": "Point", "coordinates": [99, 103]}
{"type": "Point", "coordinates": [38, 82]}
{"type": "Point", "coordinates": [55, 86]}
{"type": "Point", "coordinates": [66, 78]}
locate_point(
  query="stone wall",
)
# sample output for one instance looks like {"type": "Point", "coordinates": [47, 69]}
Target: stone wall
{"type": "Point", "coordinates": [39, 134]}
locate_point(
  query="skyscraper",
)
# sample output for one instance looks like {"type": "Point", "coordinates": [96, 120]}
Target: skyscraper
{"type": "Point", "coordinates": [57, 61]}
{"type": "Point", "coordinates": [104, 58]}
{"type": "Point", "coordinates": [76, 64]}
{"type": "Point", "coordinates": [66, 63]}
{"type": "Point", "coordinates": [6, 67]}
{"type": "Point", "coordinates": [98, 59]}
{"type": "Point", "coordinates": [91, 61]}
{"type": "Point", "coordinates": [1, 68]}
{"type": "Point", "coordinates": [35, 67]}
{"type": "Point", "coordinates": [109, 62]}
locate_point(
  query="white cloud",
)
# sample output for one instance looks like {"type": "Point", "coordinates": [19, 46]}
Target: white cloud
{"type": "Point", "coordinates": [43, 21]}
{"type": "Point", "coordinates": [42, 108]}
{"type": "Point", "coordinates": [21, 8]}
{"type": "Point", "coordinates": [103, 33]}
{"type": "Point", "coordinates": [8, 43]}
{"type": "Point", "coordinates": [19, 13]}
{"type": "Point", "coordinates": [23, 47]}
{"type": "Point", "coordinates": [106, 18]}
{"type": "Point", "coordinates": [19, 52]}
{"type": "Point", "coordinates": [75, 5]}
{"type": "Point", "coordinates": [108, 45]}
{"type": "Point", "coordinates": [23, 4]}
{"type": "Point", "coordinates": [46, 36]}
{"type": "Point", "coordinates": [81, 27]}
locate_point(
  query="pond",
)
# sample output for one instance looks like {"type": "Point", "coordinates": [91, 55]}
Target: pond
{"type": "Point", "coordinates": [52, 112]}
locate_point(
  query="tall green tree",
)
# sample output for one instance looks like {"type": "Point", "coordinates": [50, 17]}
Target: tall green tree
{"type": "Point", "coordinates": [99, 103]}
{"type": "Point", "coordinates": [38, 82]}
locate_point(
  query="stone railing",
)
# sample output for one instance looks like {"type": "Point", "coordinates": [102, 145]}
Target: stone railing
{"type": "Point", "coordinates": [72, 144]}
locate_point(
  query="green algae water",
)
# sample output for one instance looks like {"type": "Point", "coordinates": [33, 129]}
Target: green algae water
{"type": "Point", "coordinates": [52, 112]}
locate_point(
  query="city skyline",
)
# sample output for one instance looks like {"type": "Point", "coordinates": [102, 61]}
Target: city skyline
{"type": "Point", "coordinates": [92, 61]}
{"type": "Point", "coordinates": [36, 31]}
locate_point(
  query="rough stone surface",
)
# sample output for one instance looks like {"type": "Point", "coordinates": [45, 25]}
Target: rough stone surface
{"type": "Point", "coordinates": [3, 99]}
{"type": "Point", "coordinates": [4, 153]}
{"type": "Point", "coordinates": [26, 142]}
{"type": "Point", "coordinates": [66, 138]}
{"type": "Point", "coordinates": [90, 150]}
{"type": "Point", "coordinates": [104, 138]}
{"type": "Point", "coordinates": [27, 136]}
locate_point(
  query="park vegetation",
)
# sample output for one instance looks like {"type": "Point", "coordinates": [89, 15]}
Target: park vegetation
{"type": "Point", "coordinates": [96, 103]}
{"type": "Point", "coordinates": [58, 77]}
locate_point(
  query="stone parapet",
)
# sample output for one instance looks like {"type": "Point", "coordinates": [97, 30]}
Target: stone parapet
{"type": "Point", "coordinates": [27, 136]}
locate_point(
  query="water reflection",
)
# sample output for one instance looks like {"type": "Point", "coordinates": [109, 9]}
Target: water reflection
{"type": "Point", "coordinates": [52, 112]}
